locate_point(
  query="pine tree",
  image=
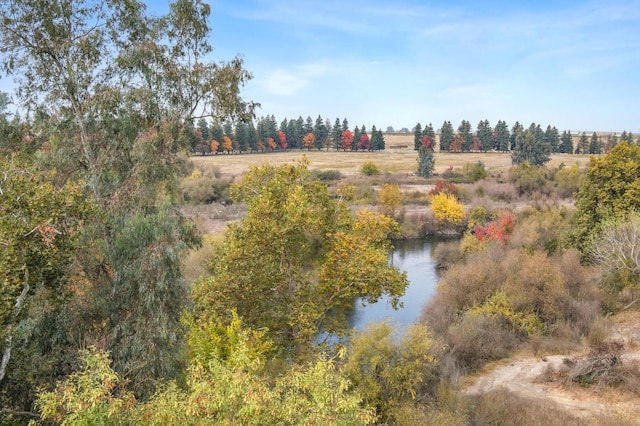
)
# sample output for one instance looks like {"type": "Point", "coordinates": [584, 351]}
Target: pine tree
{"type": "Point", "coordinates": [566, 143]}
{"type": "Point", "coordinates": [446, 136]}
{"type": "Point", "coordinates": [417, 136]}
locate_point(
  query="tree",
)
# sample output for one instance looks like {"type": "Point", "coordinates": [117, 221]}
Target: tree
{"type": "Point", "coordinates": [426, 162]}
{"type": "Point", "coordinates": [125, 84]}
{"type": "Point", "coordinates": [446, 136]}
{"type": "Point", "coordinates": [377, 139]}
{"type": "Point", "coordinates": [336, 132]}
{"type": "Point", "coordinates": [309, 141]}
{"type": "Point", "coordinates": [566, 143]}
{"type": "Point", "coordinates": [321, 132]}
{"type": "Point", "coordinates": [295, 257]}
{"type": "Point", "coordinates": [611, 189]}
{"type": "Point", "coordinates": [516, 131]}
{"type": "Point", "coordinates": [502, 137]}
{"type": "Point", "coordinates": [226, 144]}
{"type": "Point", "coordinates": [227, 382]}
{"type": "Point", "coordinates": [595, 146]}
{"type": "Point", "coordinates": [552, 137]}
{"type": "Point", "coordinates": [485, 134]}
{"type": "Point", "coordinates": [346, 139]}
{"type": "Point", "coordinates": [429, 133]}
{"type": "Point", "coordinates": [282, 138]}
{"type": "Point", "coordinates": [467, 137]}
{"type": "Point", "coordinates": [364, 143]}
{"type": "Point", "coordinates": [583, 144]}
{"type": "Point", "coordinates": [390, 199]}
{"type": "Point", "coordinates": [417, 136]}
{"type": "Point", "coordinates": [617, 251]}
{"type": "Point", "coordinates": [39, 232]}
{"type": "Point", "coordinates": [447, 208]}
{"type": "Point", "coordinates": [530, 150]}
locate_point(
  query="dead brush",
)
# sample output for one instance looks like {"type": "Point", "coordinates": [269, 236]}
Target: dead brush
{"type": "Point", "coordinates": [604, 366]}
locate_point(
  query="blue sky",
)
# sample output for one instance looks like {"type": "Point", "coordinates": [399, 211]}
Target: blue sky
{"type": "Point", "coordinates": [575, 65]}
{"type": "Point", "coordinates": [572, 64]}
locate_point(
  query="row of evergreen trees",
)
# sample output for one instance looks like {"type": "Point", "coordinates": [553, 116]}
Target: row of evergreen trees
{"type": "Point", "coordinates": [500, 138]}
{"type": "Point", "coordinates": [266, 135]}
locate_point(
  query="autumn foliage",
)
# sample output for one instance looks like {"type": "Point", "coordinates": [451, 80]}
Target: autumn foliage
{"type": "Point", "coordinates": [309, 140]}
{"type": "Point", "coordinates": [283, 140]}
{"type": "Point", "coordinates": [498, 230]}
{"type": "Point", "coordinates": [443, 186]}
{"type": "Point", "coordinates": [346, 139]}
{"type": "Point", "coordinates": [447, 208]}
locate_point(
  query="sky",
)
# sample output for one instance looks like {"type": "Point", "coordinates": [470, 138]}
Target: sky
{"type": "Point", "coordinates": [571, 64]}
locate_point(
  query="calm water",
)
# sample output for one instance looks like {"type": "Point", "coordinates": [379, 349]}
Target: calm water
{"type": "Point", "coordinates": [414, 257]}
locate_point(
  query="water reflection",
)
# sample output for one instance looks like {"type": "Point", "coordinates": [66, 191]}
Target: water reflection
{"type": "Point", "coordinates": [414, 257]}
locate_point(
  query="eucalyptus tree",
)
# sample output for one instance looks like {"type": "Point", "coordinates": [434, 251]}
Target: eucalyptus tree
{"type": "Point", "coordinates": [119, 86]}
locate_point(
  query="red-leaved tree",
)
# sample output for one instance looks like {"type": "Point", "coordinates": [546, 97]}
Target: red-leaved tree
{"type": "Point", "coordinates": [364, 143]}
{"type": "Point", "coordinates": [346, 139]}
{"type": "Point", "coordinates": [283, 140]}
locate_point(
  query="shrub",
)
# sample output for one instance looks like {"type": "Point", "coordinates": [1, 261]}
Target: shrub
{"type": "Point", "coordinates": [390, 199]}
{"type": "Point", "coordinates": [388, 372]}
{"type": "Point", "coordinates": [479, 339]}
{"type": "Point", "coordinates": [474, 172]}
{"type": "Point", "coordinates": [446, 208]}
{"type": "Point", "coordinates": [567, 181]}
{"type": "Point", "coordinates": [528, 179]}
{"type": "Point", "coordinates": [326, 175]}
{"type": "Point", "coordinates": [369, 168]}
{"type": "Point", "coordinates": [205, 187]}
{"type": "Point", "coordinates": [443, 186]}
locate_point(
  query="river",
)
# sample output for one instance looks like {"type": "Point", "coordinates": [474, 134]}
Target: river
{"type": "Point", "coordinates": [415, 258]}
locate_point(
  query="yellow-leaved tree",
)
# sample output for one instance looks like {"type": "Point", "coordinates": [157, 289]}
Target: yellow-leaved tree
{"type": "Point", "coordinates": [446, 208]}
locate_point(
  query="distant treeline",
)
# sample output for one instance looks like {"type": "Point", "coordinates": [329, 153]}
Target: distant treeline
{"type": "Point", "coordinates": [265, 135]}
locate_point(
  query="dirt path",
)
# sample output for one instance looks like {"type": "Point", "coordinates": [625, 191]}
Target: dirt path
{"type": "Point", "coordinates": [523, 376]}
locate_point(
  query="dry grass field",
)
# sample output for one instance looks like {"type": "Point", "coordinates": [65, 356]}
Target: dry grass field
{"type": "Point", "coordinates": [392, 160]}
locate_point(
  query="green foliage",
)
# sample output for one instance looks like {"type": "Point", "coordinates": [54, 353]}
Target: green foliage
{"type": "Point", "coordinates": [204, 187]}
{"type": "Point", "coordinates": [474, 172]}
{"type": "Point", "coordinates": [226, 383]}
{"type": "Point", "coordinates": [567, 181]}
{"type": "Point", "coordinates": [529, 179]}
{"type": "Point", "coordinates": [39, 230]}
{"type": "Point", "coordinates": [426, 162]}
{"type": "Point", "coordinates": [530, 148]}
{"type": "Point", "coordinates": [611, 188]}
{"type": "Point", "coordinates": [369, 168]}
{"type": "Point", "coordinates": [89, 396]}
{"type": "Point", "coordinates": [297, 255]}
{"type": "Point", "coordinates": [389, 372]}
{"type": "Point", "coordinates": [498, 306]}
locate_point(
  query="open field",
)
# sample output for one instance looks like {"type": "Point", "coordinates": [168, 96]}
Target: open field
{"type": "Point", "coordinates": [389, 161]}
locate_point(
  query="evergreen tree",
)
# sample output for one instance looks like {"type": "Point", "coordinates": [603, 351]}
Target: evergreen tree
{"type": "Point", "coordinates": [426, 162]}
{"type": "Point", "coordinates": [529, 150]}
{"type": "Point", "coordinates": [336, 132]}
{"type": "Point", "coordinates": [566, 143]}
{"type": "Point", "coordinates": [595, 146]}
{"type": "Point", "coordinates": [321, 132]}
{"type": "Point", "coordinates": [516, 130]}
{"type": "Point", "coordinates": [242, 135]}
{"type": "Point", "coordinates": [583, 144]}
{"type": "Point", "coordinates": [485, 134]}
{"type": "Point", "coordinates": [431, 134]}
{"type": "Point", "coordinates": [417, 136]}
{"type": "Point", "coordinates": [503, 142]}
{"type": "Point", "coordinates": [467, 137]}
{"type": "Point", "coordinates": [446, 136]}
{"type": "Point", "coordinates": [552, 137]}
{"type": "Point", "coordinates": [356, 138]}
